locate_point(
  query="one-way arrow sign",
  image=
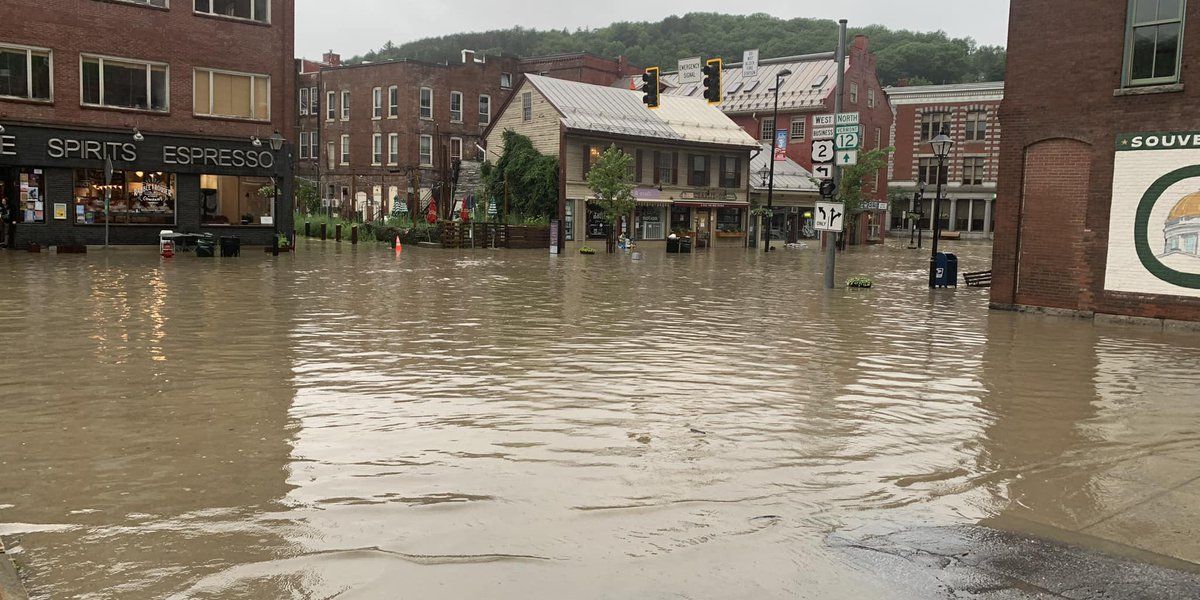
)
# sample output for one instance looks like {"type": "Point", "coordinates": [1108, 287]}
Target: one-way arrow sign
{"type": "Point", "coordinates": [847, 158]}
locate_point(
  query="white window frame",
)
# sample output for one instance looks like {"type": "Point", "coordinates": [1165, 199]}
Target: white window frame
{"type": "Point", "coordinates": [421, 103]}
{"type": "Point", "coordinates": [166, 3]}
{"type": "Point", "coordinates": [345, 105]}
{"type": "Point", "coordinates": [1127, 79]}
{"type": "Point", "coordinates": [793, 135]}
{"type": "Point", "coordinates": [425, 138]}
{"type": "Point", "coordinates": [304, 101]}
{"type": "Point", "coordinates": [303, 145]}
{"type": "Point", "coordinates": [485, 117]}
{"type": "Point", "coordinates": [459, 95]}
{"type": "Point", "coordinates": [313, 107]}
{"type": "Point", "coordinates": [253, 90]}
{"type": "Point", "coordinates": [29, 50]}
{"type": "Point", "coordinates": [344, 158]}
{"type": "Point", "coordinates": [149, 92]}
{"type": "Point", "coordinates": [459, 141]}
{"type": "Point", "coordinates": [766, 134]}
{"type": "Point", "coordinates": [313, 143]}
{"type": "Point", "coordinates": [330, 106]}
{"type": "Point", "coordinates": [393, 102]}
{"type": "Point", "coordinates": [376, 103]}
{"type": "Point", "coordinates": [210, 13]}
{"type": "Point", "coordinates": [853, 93]}
{"type": "Point", "coordinates": [527, 107]}
{"type": "Point", "coordinates": [376, 149]}
{"type": "Point", "coordinates": [506, 81]}
{"type": "Point", "coordinates": [393, 148]}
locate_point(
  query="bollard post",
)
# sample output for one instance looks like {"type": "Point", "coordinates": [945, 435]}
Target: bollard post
{"type": "Point", "coordinates": [354, 235]}
{"type": "Point", "coordinates": [324, 231]}
{"type": "Point", "coordinates": [307, 232]}
{"type": "Point", "coordinates": [337, 232]}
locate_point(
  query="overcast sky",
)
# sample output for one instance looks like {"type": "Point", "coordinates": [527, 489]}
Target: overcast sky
{"type": "Point", "coordinates": [352, 27]}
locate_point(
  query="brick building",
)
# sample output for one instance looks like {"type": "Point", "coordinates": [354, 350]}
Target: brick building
{"type": "Point", "coordinates": [1100, 160]}
{"type": "Point", "coordinates": [189, 127]}
{"type": "Point", "coordinates": [809, 91]}
{"type": "Point", "coordinates": [969, 114]}
{"type": "Point", "coordinates": [580, 66]}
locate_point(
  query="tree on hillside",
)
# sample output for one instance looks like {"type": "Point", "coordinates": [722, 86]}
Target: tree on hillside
{"type": "Point", "coordinates": [609, 179]}
{"type": "Point", "coordinates": [919, 56]}
{"type": "Point", "coordinates": [531, 178]}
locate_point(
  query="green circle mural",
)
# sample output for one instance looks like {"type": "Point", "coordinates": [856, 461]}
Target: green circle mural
{"type": "Point", "coordinates": [1141, 230]}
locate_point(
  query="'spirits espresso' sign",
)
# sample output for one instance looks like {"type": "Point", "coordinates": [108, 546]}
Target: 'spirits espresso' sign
{"type": "Point", "coordinates": [1154, 224]}
{"type": "Point", "coordinates": [8, 145]}
{"type": "Point", "coordinates": [214, 157]}
{"type": "Point", "coordinates": [91, 149]}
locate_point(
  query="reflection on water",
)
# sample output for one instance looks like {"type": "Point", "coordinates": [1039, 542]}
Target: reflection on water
{"type": "Point", "coordinates": [513, 425]}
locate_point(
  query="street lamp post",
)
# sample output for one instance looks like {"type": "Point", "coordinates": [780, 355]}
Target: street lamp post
{"type": "Point", "coordinates": [779, 77]}
{"type": "Point", "coordinates": [941, 149]}
{"type": "Point", "coordinates": [918, 212]}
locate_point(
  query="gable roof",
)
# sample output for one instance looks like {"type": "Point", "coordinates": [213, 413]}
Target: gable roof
{"type": "Point", "coordinates": [615, 111]}
{"type": "Point", "coordinates": [813, 79]}
{"type": "Point", "coordinates": [789, 175]}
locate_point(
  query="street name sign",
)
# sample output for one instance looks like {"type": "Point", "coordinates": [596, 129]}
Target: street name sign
{"type": "Point", "coordinates": [823, 171]}
{"type": "Point", "coordinates": [823, 121]}
{"type": "Point", "coordinates": [847, 119]}
{"type": "Point", "coordinates": [690, 71]}
{"type": "Point", "coordinates": [823, 133]}
{"type": "Point", "coordinates": [823, 151]}
{"type": "Point", "coordinates": [847, 158]}
{"type": "Point", "coordinates": [829, 216]}
{"type": "Point", "coordinates": [750, 64]}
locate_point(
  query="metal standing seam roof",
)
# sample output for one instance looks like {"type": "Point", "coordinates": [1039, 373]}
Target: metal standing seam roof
{"type": "Point", "coordinates": [789, 175]}
{"type": "Point", "coordinates": [812, 80]}
{"type": "Point", "coordinates": [617, 111]}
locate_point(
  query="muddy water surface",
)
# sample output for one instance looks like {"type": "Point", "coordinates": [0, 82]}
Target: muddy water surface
{"type": "Point", "coordinates": [349, 423]}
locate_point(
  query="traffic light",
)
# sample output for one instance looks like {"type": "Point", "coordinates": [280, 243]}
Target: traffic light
{"type": "Point", "coordinates": [650, 88]}
{"type": "Point", "coordinates": [828, 189]}
{"type": "Point", "coordinates": [713, 71]}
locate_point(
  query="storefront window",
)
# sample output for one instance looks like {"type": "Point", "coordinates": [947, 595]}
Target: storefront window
{"type": "Point", "coordinates": [137, 198]}
{"type": "Point", "coordinates": [729, 220]}
{"type": "Point", "coordinates": [962, 215]}
{"type": "Point", "coordinates": [652, 222]}
{"type": "Point", "coordinates": [595, 222]}
{"type": "Point", "coordinates": [569, 220]}
{"type": "Point", "coordinates": [31, 190]}
{"type": "Point", "coordinates": [231, 200]}
{"type": "Point", "coordinates": [978, 211]}
{"type": "Point", "coordinates": [681, 219]}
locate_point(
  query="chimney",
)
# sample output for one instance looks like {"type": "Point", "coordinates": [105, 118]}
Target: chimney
{"type": "Point", "coordinates": [332, 59]}
{"type": "Point", "coordinates": [902, 82]}
{"type": "Point", "coordinates": [468, 57]}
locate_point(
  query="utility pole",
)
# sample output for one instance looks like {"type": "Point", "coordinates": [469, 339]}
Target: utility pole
{"type": "Point", "coordinates": [831, 236]}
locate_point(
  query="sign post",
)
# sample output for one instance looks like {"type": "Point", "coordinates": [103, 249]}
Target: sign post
{"type": "Point", "coordinates": [831, 236]}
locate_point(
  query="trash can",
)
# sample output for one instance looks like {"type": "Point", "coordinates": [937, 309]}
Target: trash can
{"type": "Point", "coordinates": [231, 246]}
{"type": "Point", "coordinates": [952, 270]}
{"type": "Point", "coordinates": [685, 245]}
{"type": "Point", "coordinates": [672, 245]}
{"type": "Point", "coordinates": [206, 246]}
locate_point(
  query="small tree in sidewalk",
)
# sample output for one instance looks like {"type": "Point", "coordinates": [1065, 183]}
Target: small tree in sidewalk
{"type": "Point", "coordinates": [850, 190]}
{"type": "Point", "coordinates": [609, 179]}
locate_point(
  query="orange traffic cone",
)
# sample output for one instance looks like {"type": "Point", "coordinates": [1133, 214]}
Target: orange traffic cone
{"type": "Point", "coordinates": [399, 248]}
{"type": "Point", "coordinates": [168, 249]}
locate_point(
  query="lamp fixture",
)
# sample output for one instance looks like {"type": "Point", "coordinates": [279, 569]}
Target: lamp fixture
{"type": "Point", "coordinates": [941, 145]}
{"type": "Point", "coordinates": [1, 128]}
{"type": "Point", "coordinates": [137, 135]}
{"type": "Point", "coordinates": [276, 141]}
{"type": "Point", "coordinates": [254, 141]}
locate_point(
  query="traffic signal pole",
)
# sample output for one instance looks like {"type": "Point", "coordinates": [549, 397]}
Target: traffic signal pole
{"type": "Point", "coordinates": [831, 236]}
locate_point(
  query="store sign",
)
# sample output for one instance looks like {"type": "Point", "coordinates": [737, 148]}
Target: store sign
{"type": "Point", "coordinates": [213, 157]}
{"type": "Point", "coordinates": [699, 195]}
{"type": "Point", "coordinates": [8, 145]}
{"type": "Point", "coordinates": [1154, 223]}
{"type": "Point", "coordinates": [90, 149]}
{"type": "Point", "coordinates": [645, 193]}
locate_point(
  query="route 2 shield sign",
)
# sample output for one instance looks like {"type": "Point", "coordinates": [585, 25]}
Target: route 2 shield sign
{"type": "Point", "coordinates": [822, 151]}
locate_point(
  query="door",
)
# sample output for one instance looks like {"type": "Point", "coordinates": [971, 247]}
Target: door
{"type": "Point", "coordinates": [701, 224]}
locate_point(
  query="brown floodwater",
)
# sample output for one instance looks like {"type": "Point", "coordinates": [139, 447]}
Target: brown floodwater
{"type": "Point", "coordinates": [352, 423]}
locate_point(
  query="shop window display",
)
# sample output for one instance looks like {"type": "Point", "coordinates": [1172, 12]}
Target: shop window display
{"type": "Point", "coordinates": [138, 198]}
{"type": "Point", "coordinates": [232, 200]}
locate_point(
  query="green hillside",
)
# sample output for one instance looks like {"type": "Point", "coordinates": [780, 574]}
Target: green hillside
{"type": "Point", "coordinates": [921, 57]}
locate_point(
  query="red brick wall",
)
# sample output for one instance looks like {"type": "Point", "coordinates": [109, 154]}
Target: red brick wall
{"type": "Point", "coordinates": [909, 147]}
{"type": "Point", "coordinates": [1060, 83]}
{"type": "Point", "coordinates": [176, 36]}
{"type": "Point", "coordinates": [584, 68]}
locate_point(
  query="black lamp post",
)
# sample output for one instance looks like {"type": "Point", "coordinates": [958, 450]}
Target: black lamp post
{"type": "Point", "coordinates": [276, 142]}
{"type": "Point", "coordinates": [918, 212]}
{"type": "Point", "coordinates": [942, 144]}
{"type": "Point", "coordinates": [779, 77]}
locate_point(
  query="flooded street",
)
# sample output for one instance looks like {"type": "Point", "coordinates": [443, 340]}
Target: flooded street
{"type": "Point", "coordinates": [350, 423]}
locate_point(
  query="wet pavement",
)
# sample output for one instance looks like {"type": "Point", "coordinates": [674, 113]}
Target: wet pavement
{"type": "Point", "coordinates": [350, 423]}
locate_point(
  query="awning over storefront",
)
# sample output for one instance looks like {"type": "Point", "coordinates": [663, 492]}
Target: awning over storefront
{"type": "Point", "coordinates": [712, 203]}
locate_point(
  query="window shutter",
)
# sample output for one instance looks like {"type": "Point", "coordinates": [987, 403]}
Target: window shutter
{"type": "Point", "coordinates": [737, 172]}
{"type": "Point", "coordinates": [637, 158]}
{"type": "Point", "coordinates": [674, 168]}
{"type": "Point", "coordinates": [657, 167]}
{"type": "Point", "coordinates": [587, 156]}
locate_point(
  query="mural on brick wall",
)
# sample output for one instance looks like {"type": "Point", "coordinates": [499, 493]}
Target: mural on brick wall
{"type": "Point", "coordinates": [1154, 229]}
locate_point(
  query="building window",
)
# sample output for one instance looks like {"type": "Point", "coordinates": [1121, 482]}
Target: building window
{"type": "Point", "coordinates": [121, 83]}
{"type": "Point", "coordinates": [312, 94]}
{"type": "Point", "coordinates": [870, 97]}
{"type": "Point", "coordinates": [767, 130]}
{"type": "Point", "coordinates": [377, 103]}
{"type": "Point", "coordinates": [664, 164]}
{"type": "Point", "coordinates": [304, 101]}
{"type": "Point", "coordinates": [1153, 41]}
{"type": "Point", "coordinates": [393, 148]}
{"type": "Point", "coordinates": [932, 124]}
{"type": "Point", "coordinates": [506, 80]}
{"type": "Point", "coordinates": [25, 73]}
{"type": "Point", "coordinates": [456, 148]}
{"type": "Point", "coordinates": [485, 110]}
{"type": "Point", "coordinates": [976, 126]}
{"type": "Point", "coordinates": [651, 222]}
{"type": "Point", "coordinates": [136, 198]}
{"type": "Point", "coordinates": [978, 214]}
{"type": "Point", "coordinates": [393, 102]}
{"type": "Point", "coordinates": [234, 95]}
{"type": "Point", "coordinates": [330, 106]}
{"type": "Point", "coordinates": [232, 200]}
{"type": "Point", "coordinates": [313, 144]}
{"type": "Point", "coordinates": [427, 151]}
{"type": "Point", "coordinates": [158, 3]}
{"type": "Point", "coordinates": [853, 93]}
{"type": "Point", "coordinates": [527, 107]}
{"type": "Point", "coordinates": [377, 149]}
{"type": "Point", "coordinates": [330, 154]}
{"type": "Point", "coordinates": [699, 173]}
{"type": "Point", "coordinates": [798, 129]}
{"type": "Point", "coordinates": [345, 105]}
{"type": "Point", "coordinates": [345, 149]}
{"type": "Point", "coordinates": [303, 145]}
{"type": "Point", "coordinates": [252, 10]}
{"type": "Point", "coordinates": [927, 171]}
{"type": "Point", "coordinates": [426, 103]}
{"type": "Point", "coordinates": [973, 171]}
{"type": "Point", "coordinates": [729, 220]}
{"type": "Point", "coordinates": [731, 172]}
{"type": "Point", "coordinates": [456, 107]}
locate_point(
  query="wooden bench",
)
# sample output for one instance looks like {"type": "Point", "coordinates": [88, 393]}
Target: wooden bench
{"type": "Point", "coordinates": [979, 279]}
{"type": "Point", "coordinates": [951, 235]}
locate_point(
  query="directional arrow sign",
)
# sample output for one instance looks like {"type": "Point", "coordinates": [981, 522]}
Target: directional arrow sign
{"type": "Point", "coordinates": [822, 151]}
{"type": "Point", "coordinates": [823, 171]}
{"type": "Point", "coordinates": [829, 216]}
{"type": "Point", "coordinates": [847, 158]}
